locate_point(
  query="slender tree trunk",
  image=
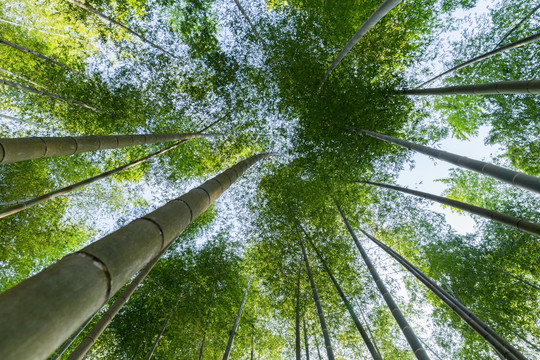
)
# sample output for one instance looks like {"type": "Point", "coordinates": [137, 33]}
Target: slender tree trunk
{"type": "Point", "coordinates": [136, 350]}
{"type": "Point", "coordinates": [487, 55]}
{"type": "Point", "coordinates": [297, 324]}
{"type": "Point", "coordinates": [517, 25]}
{"type": "Point", "coordinates": [74, 288]}
{"type": "Point", "coordinates": [30, 148]}
{"type": "Point", "coordinates": [163, 327]}
{"type": "Point", "coordinates": [253, 28]}
{"type": "Point", "coordinates": [51, 96]}
{"type": "Point", "coordinates": [526, 282]}
{"type": "Point", "coordinates": [519, 224]}
{"type": "Point", "coordinates": [381, 11]}
{"type": "Point", "coordinates": [515, 178]}
{"type": "Point", "coordinates": [348, 305]}
{"type": "Point", "coordinates": [201, 349]}
{"type": "Point", "coordinates": [236, 322]}
{"type": "Point", "coordinates": [43, 57]}
{"type": "Point", "coordinates": [406, 329]}
{"type": "Point", "coordinates": [306, 344]}
{"type": "Point", "coordinates": [112, 21]}
{"type": "Point", "coordinates": [324, 328]}
{"type": "Point", "coordinates": [35, 29]}
{"type": "Point", "coordinates": [501, 87]}
{"type": "Point", "coordinates": [494, 339]}
{"type": "Point", "coordinates": [365, 318]}
{"type": "Point", "coordinates": [252, 347]}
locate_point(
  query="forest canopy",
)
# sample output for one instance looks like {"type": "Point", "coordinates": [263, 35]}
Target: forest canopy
{"type": "Point", "coordinates": [281, 254]}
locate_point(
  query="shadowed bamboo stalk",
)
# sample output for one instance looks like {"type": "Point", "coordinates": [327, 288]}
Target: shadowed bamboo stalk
{"type": "Point", "coordinates": [512, 221]}
{"type": "Point", "coordinates": [237, 321]}
{"type": "Point", "coordinates": [43, 57]}
{"type": "Point", "coordinates": [29, 148]}
{"type": "Point", "coordinates": [49, 95]}
{"type": "Point", "coordinates": [517, 25]}
{"type": "Point", "coordinates": [381, 11]}
{"type": "Point", "coordinates": [512, 177]}
{"type": "Point", "coordinates": [201, 349]}
{"type": "Point", "coordinates": [112, 21]}
{"type": "Point", "coordinates": [501, 87]}
{"type": "Point", "coordinates": [297, 322]}
{"type": "Point", "coordinates": [494, 339]}
{"type": "Point", "coordinates": [22, 78]}
{"type": "Point", "coordinates": [487, 55]}
{"type": "Point", "coordinates": [406, 329]}
{"type": "Point", "coordinates": [348, 305]}
{"type": "Point", "coordinates": [163, 327]}
{"type": "Point", "coordinates": [324, 328]}
{"type": "Point", "coordinates": [306, 344]}
{"type": "Point", "coordinates": [37, 315]}
{"type": "Point", "coordinates": [71, 339]}
{"type": "Point", "coordinates": [240, 7]}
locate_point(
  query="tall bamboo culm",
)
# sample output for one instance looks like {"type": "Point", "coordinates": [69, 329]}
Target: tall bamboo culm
{"type": "Point", "coordinates": [512, 221]}
{"type": "Point", "coordinates": [512, 177]}
{"type": "Point", "coordinates": [30, 148]}
{"type": "Point", "coordinates": [37, 315]}
{"type": "Point", "coordinates": [347, 304]}
{"type": "Point", "coordinates": [324, 327]}
{"type": "Point", "coordinates": [501, 87]}
{"type": "Point", "coordinates": [381, 11]}
{"type": "Point", "coordinates": [498, 342]}
{"type": "Point", "coordinates": [406, 329]}
{"type": "Point", "coordinates": [237, 321]}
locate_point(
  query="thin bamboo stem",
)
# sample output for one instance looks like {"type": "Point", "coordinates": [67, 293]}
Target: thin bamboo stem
{"type": "Point", "coordinates": [512, 177]}
{"type": "Point", "coordinates": [517, 25]}
{"type": "Point", "coordinates": [501, 87]}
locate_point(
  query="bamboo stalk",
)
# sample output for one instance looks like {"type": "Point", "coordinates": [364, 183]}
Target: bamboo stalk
{"type": "Point", "coordinates": [163, 327]}
{"type": "Point", "coordinates": [237, 321]}
{"type": "Point", "coordinates": [30, 148]}
{"type": "Point", "coordinates": [494, 339]}
{"type": "Point", "coordinates": [347, 304]}
{"type": "Point", "coordinates": [484, 56]}
{"type": "Point", "coordinates": [406, 329]}
{"type": "Point", "coordinates": [512, 221]}
{"type": "Point", "coordinates": [37, 315]}
{"type": "Point", "coordinates": [49, 95]}
{"type": "Point", "coordinates": [112, 21]}
{"type": "Point", "coordinates": [512, 177]}
{"type": "Point", "coordinates": [501, 87]}
{"type": "Point", "coordinates": [381, 11]}
{"type": "Point", "coordinates": [297, 322]}
{"type": "Point", "coordinates": [517, 25]}
{"type": "Point", "coordinates": [324, 328]}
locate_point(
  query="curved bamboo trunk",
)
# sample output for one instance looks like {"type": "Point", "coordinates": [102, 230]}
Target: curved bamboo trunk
{"type": "Point", "coordinates": [324, 328]}
{"type": "Point", "coordinates": [30, 148]}
{"type": "Point", "coordinates": [306, 344]}
{"type": "Point", "coordinates": [43, 57]}
{"type": "Point", "coordinates": [253, 28]}
{"type": "Point", "coordinates": [512, 177]}
{"type": "Point", "coordinates": [487, 55]}
{"type": "Point", "coordinates": [297, 324]}
{"type": "Point", "coordinates": [49, 95]}
{"type": "Point", "coordinates": [37, 315]}
{"type": "Point", "coordinates": [514, 222]}
{"type": "Point", "coordinates": [86, 344]}
{"type": "Point", "coordinates": [406, 329]}
{"type": "Point", "coordinates": [112, 21]}
{"type": "Point", "coordinates": [163, 327]}
{"type": "Point", "coordinates": [381, 11]}
{"type": "Point", "coordinates": [501, 87]}
{"type": "Point", "coordinates": [494, 339]}
{"type": "Point", "coordinates": [237, 321]}
{"type": "Point", "coordinates": [517, 25]}
{"type": "Point", "coordinates": [348, 305]}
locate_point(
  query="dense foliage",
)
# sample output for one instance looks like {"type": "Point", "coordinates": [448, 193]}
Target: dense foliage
{"type": "Point", "coordinates": [260, 91]}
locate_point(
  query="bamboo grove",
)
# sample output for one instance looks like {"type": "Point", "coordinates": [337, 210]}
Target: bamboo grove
{"type": "Point", "coordinates": [223, 179]}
